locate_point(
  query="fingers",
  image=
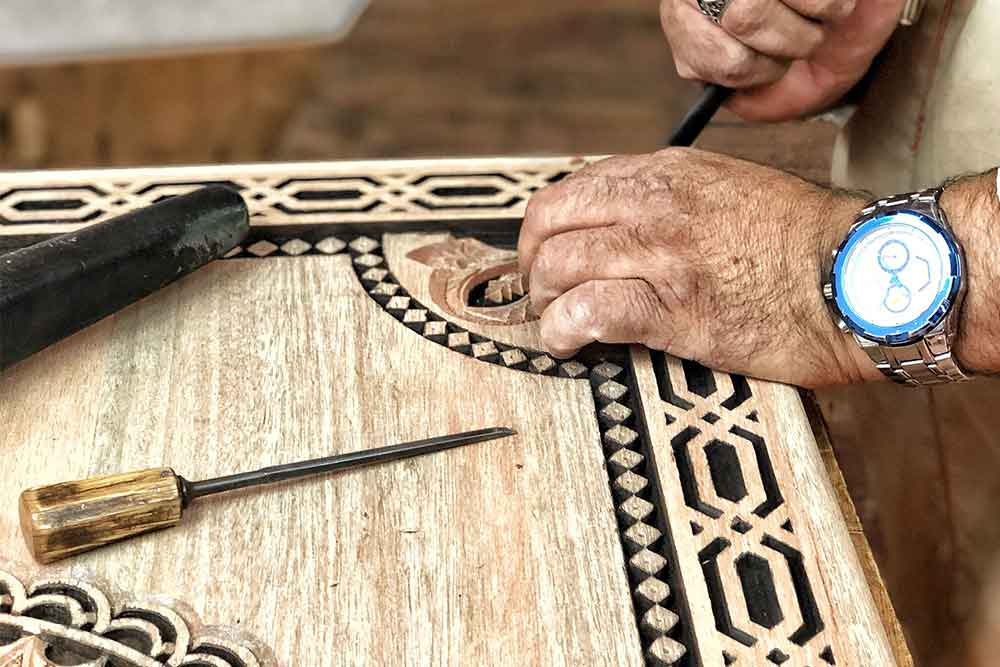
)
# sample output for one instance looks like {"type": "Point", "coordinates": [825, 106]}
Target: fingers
{"type": "Point", "coordinates": [755, 41]}
{"type": "Point", "coordinates": [573, 258]}
{"type": "Point", "coordinates": [598, 196]}
{"type": "Point", "coordinates": [772, 28]}
{"type": "Point", "coordinates": [606, 311]}
{"type": "Point", "coordinates": [829, 11]}
{"type": "Point", "coordinates": [804, 89]}
{"type": "Point", "coordinates": [705, 52]}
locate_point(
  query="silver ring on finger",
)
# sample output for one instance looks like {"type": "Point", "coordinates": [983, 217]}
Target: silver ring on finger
{"type": "Point", "coordinates": [713, 9]}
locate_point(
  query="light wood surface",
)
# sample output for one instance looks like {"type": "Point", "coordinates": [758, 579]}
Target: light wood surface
{"type": "Point", "coordinates": [650, 511]}
{"type": "Point", "coordinates": [503, 552]}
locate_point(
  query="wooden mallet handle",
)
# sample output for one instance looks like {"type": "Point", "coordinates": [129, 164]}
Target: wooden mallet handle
{"type": "Point", "coordinates": [66, 519]}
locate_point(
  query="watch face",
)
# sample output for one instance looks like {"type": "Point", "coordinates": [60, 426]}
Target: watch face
{"type": "Point", "coordinates": [895, 277]}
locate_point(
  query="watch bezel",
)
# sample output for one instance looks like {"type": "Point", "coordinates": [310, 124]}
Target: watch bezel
{"type": "Point", "coordinates": [914, 330]}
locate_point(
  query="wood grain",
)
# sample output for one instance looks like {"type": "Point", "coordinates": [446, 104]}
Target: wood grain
{"type": "Point", "coordinates": [503, 553]}
{"type": "Point", "coordinates": [876, 584]}
{"type": "Point", "coordinates": [68, 518]}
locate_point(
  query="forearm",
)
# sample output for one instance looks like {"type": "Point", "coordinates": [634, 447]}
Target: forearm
{"type": "Point", "coordinates": [973, 208]}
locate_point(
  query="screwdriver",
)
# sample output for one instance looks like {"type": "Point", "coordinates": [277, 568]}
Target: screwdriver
{"type": "Point", "coordinates": [69, 518]}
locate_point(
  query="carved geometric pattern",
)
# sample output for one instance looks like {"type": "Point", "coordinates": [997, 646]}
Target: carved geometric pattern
{"type": "Point", "coordinates": [509, 287]}
{"type": "Point", "coordinates": [292, 193]}
{"type": "Point", "coordinates": [751, 559]}
{"type": "Point", "coordinates": [65, 621]}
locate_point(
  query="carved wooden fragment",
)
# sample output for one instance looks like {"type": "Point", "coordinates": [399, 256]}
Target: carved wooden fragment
{"type": "Point", "coordinates": [650, 511]}
{"type": "Point", "coordinates": [59, 620]}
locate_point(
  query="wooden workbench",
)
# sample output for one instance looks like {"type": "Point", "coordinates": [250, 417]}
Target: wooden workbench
{"type": "Point", "coordinates": [649, 511]}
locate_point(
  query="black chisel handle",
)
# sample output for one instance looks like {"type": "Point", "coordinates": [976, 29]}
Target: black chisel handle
{"type": "Point", "coordinates": [713, 97]}
{"type": "Point", "coordinates": [61, 285]}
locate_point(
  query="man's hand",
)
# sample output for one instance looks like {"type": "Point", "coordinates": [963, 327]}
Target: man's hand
{"type": "Point", "coordinates": [705, 256]}
{"type": "Point", "coordinates": [788, 57]}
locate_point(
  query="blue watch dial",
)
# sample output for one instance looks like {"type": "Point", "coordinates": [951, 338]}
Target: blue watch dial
{"type": "Point", "coordinates": [896, 276]}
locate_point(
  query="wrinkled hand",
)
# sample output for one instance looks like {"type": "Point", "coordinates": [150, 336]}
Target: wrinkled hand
{"type": "Point", "coordinates": [705, 256]}
{"type": "Point", "coordinates": [792, 57]}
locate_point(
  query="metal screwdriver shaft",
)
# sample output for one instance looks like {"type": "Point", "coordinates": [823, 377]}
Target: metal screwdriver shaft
{"type": "Point", "coordinates": [62, 520]}
{"type": "Point", "coordinates": [273, 474]}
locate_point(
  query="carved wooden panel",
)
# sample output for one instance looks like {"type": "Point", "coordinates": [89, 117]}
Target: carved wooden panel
{"type": "Point", "coordinates": [649, 511]}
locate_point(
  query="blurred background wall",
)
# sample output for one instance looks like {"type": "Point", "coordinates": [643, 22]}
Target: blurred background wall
{"type": "Point", "coordinates": [415, 77]}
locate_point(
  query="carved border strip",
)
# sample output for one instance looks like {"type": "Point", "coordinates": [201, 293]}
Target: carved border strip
{"type": "Point", "coordinates": [292, 193]}
{"type": "Point", "coordinates": [736, 519]}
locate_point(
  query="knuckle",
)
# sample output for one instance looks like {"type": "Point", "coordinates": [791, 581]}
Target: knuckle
{"type": "Point", "coordinates": [584, 311]}
{"type": "Point", "coordinates": [838, 10]}
{"type": "Point", "coordinates": [743, 18]}
{"type": "Point", "coordinates": [553, 333]}
{"type": "Point", "coordinates": [738, 66]}
{"type": "Point", "coordinates": [739, 71]}
{"type": "Point", "coordinates": [537, 206]}
{"type": "Point", "coordinates": [811, 42]}
{"type": "Point", "coordinates": [670, 153]}
{"type": "Point", "coordinates": [755, 70]}
{"type": "Point", "coordinates": [673, 155]}
{"type": "Point", "coordinates": [685, 70]}
{"type": "Point", "coordinates": [546, 263]}
{"type": "Point", "coordinates": [599, 168]}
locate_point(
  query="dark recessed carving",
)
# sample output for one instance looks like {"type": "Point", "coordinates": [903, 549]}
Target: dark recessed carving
{"type": "Point", "coordinates": [700, 380]}
{"type": "Point", "coordinates": [758, 589]}
{"type": "Point", "coordinates": [724, 466]}
{"type": "Point", "coordinates": [709, 559]}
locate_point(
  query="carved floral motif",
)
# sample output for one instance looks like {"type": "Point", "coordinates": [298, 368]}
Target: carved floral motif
{"type": "Point", "coordinates": [462, 265]}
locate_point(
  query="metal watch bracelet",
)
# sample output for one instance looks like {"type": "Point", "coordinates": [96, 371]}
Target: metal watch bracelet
{"type": "Point", "coordinates": [929, 360]}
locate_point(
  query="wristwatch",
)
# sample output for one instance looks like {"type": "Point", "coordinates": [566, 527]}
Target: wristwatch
{"type": "Point", "coordinates": [896, 285]}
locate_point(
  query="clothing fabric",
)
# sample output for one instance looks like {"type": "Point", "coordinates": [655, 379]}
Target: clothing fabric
{"type": "Point", "coordinates": [925, 463]}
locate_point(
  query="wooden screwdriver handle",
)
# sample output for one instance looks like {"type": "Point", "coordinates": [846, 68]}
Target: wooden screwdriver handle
{"type": "Point", "coordinates": [62, 520]}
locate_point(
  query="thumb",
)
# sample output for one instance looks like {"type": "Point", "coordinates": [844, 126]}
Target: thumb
{"type": "Point", "coordinates": [606, 311]}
